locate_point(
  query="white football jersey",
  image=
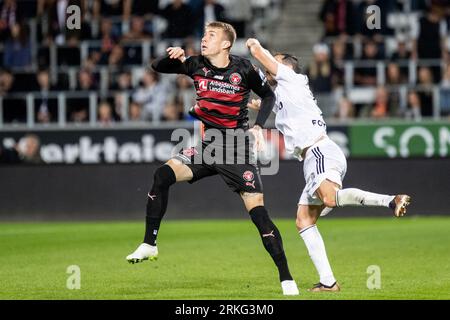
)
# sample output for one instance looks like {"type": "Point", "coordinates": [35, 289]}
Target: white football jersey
{"type": "Point", "coordinates": [298, 117]}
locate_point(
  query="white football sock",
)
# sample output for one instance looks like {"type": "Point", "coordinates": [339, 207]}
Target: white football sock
{"type": "Point", "coordinates": [360, 198]}
{"type": "Point", "coordinates": [316, 249]}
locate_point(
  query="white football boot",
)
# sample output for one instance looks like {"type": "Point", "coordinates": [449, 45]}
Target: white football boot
{"type": "Point", "coordinates": [289, 288]}
{"type": "Point", "coordinates": [143, 252]}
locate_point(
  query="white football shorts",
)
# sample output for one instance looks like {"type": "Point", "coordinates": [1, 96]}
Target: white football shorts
{"type": "Point", "coordinates": [323, 160]}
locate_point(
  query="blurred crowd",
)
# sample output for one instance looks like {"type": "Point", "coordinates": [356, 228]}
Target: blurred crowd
{"type": "Point", "coordinates": [110, 55]}
{"type": "Point", "coordinates": [121, 38]}
{"type": "Point", "coordinates": [412, 43]}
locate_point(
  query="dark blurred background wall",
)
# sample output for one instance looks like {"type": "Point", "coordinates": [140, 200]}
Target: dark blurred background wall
{"type": "Point", "coordinates": [97, 192]}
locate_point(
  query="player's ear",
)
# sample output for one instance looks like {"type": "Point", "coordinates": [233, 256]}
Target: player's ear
{"type": "Point", "coordinates": [226, 44]}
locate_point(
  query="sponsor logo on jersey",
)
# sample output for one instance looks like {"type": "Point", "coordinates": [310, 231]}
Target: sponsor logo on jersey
{"type": "Point", "coordinates": [216, 86]}
{"type": "Point", "coordinates": [320, 123]}
{"type": "Point", "coordinates": [248, 176]}
{"type": "Point", "coordinates": [223, 87]}
{"type": "Point", "coordinates": [235, 78]}
{"type": "Point", "coordinates": [203, 85]}
{"type": "Point", "coordinates": [218, 77]}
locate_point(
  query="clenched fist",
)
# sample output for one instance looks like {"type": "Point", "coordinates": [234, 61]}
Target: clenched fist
{"type": "Point", "coordinates": [176, 53]}
{"type": "Point", "coordinates": [251, 42]}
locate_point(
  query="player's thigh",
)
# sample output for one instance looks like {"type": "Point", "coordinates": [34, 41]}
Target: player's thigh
{"type": "Point", "coordinates": [244, 179]}
{"type": "Point", "coordinates": [182, 171]}
{"type": "Point", "coordinates": [252, 199]}
{"type": "Point", "coordinates": [190, 166]}
{"type": "Point", "coordinates": [327, 192]}
{"type": "Point", "coordinates": [307, 215]}
{"type": "Point", "coordinates": [325, 166]}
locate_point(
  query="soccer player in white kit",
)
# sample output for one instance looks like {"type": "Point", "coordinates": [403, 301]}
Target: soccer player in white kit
{"type": "Point", "coordinates": [300, 120]}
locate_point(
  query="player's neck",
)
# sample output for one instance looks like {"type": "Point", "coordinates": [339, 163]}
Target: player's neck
{"type": "Point", "coordinates": [221, 60]}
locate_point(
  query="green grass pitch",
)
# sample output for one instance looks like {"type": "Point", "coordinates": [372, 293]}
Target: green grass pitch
{"type": "Point", "coordinates": [223, 259]}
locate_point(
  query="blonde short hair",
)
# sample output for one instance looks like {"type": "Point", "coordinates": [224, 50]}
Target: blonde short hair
{"type": "Point", "coordinates": [228, 29]}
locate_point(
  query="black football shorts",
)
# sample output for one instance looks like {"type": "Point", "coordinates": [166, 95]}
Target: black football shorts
{"type": "Point", "coordinates": [240, 174]}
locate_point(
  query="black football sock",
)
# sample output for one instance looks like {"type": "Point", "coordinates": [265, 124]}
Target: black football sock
{"type": "Point", "coordinates": [157, 200]}
{"type": "Point", "coordinates": [271, 239]}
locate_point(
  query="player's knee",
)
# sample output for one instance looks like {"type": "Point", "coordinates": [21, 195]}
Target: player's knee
{"type": "Point", "coordinates": [164, 177]}
{"type": "Point", "coordinates": [299, 223]}
{"type": "Point", "coordinates": [257, 199]}
{"type": "Point", "coordinates": [261, 219]}
{"type": "Point", "coordinates": [252, 200]}
{"type": "Point", "coordinates": [329, 201]}
{"type": "Point", "coordinates": [302, 223]}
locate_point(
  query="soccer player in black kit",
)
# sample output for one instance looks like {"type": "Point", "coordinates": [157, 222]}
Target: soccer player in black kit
{"type": "Point", "coordinates": [223, 83]}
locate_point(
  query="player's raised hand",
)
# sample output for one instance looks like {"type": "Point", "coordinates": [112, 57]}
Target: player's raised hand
{"type": "Point", "coordinates": [176, 53]}
{"type": "Point", "coordinates": [260, 142]}
{"type": "Point", "coordinates": [255, 104]}
{"type": "Point", "coordinates": [251, 42]}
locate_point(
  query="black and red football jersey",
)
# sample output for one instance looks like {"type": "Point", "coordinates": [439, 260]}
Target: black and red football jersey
{"type": "Point", "coordinates": [222, 93]}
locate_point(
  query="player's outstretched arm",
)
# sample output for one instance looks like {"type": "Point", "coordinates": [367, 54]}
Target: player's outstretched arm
{"type": "Point", "coordinates": [258, 83]}
{"type": "Point", "coordinates": [174, 62]}
{"type": "Point", "coordinates": [262, 55]}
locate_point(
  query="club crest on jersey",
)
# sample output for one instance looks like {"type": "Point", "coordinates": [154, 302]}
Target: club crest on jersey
{"type": "Point", "coordinates": [248, 176]}
{"type": "Point", "coordinates": [235, 78]}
